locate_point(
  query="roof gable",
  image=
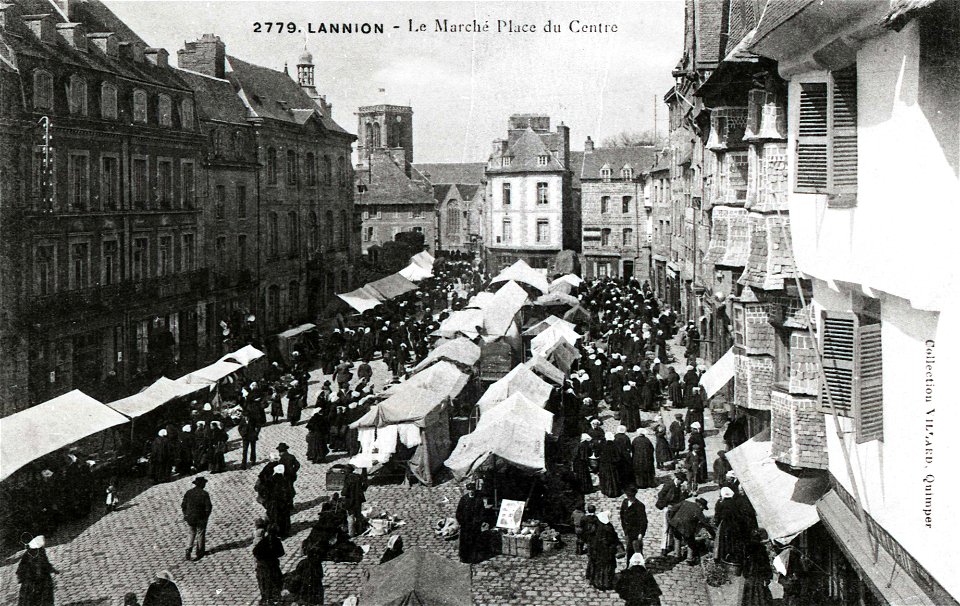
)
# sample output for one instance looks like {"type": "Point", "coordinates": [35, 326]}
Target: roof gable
{"type": "Point", "coordinates": [387, 183]}
{"type": "Point", "coordinates": [640, 159]}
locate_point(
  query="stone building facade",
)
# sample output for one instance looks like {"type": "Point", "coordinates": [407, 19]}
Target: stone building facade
{"type": "Point", "coordinates": [530, 211]}
{"type": "Point", "coordinates": [460, 191]}
{"type": "Point", "coordinates": [103, 274]}
{"type": "Point", "coordinates": [616, 221]}
{"type": "Point", "coordinates": [391, 196]}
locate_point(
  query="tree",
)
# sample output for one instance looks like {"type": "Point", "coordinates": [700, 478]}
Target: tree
{"type": "Point", "coordinates": [632, 139]}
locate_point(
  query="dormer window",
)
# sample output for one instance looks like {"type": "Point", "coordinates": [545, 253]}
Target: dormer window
{"type": "Point", "coordinates": [542, 160]}
{"type": "Point", "coordinates": [626, 173]}
{"type": "Point", "coordinates": [506, 160]}
{"type": "Point", "coordinates": [606, 173]}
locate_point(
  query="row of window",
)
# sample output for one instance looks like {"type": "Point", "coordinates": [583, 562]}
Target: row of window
{"type": "Point", "coordinates": [543, 194]}
{"type": "Point", "coordinates": [332, 237]}
{"type": "Point", "coordinates": [370, 232]}
{"type": "Point", "coordinates": [625, 240]}
{"type": "Point", "coordinates": [310, 173]}
{"type": "Point", "coordinates": [78, 98]}
{"type": "Point", "coordinates": [625, 204]}
{"type": "Point", "coordinates": [375, 212]}
{"type": "Point", "coordinates": [542, 233]}
{"type": "Point", "coordinates": [626, 173]}
{"type": "Point", "coordinates": [108, 175]}
{"type": "Point", "coordinates": [112, 267]}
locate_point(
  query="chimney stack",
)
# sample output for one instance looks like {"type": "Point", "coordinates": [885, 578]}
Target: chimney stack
{"type": "Point", "coordinates": [588, 145]}
{"type": "Point", "coordinates": [206, 56]}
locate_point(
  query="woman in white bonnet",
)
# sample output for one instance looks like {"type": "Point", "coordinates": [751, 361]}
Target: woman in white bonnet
{"type": "Point", "coordinates": [34, 574]}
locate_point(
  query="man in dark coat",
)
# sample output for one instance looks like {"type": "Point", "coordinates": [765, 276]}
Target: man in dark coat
{"type": "Point", "coordinates": [470, 513]}
{"type": "Point", "coordinates": [196, 507]}
{"type": "Point", "coordinates": [267, 553]}
{"type": "Point", "coordinates": [354, 496]}
{"type": "Point", "coordinates": [633, 519]}
{"type": "Point", "coordinates": [644, 473]}
{"type": "Point", "coordinates": [249, 432]}
{"type": "Point", "coordinates": [670, 494]}
{"type": "Point", "coordinates": [685, 522]}
{"type": "Point", "coordinates": [163, 591]}
{"type": "Point", "coordinates": [636, 586]}
{"type": "Point", "coordinates": [720, 468]}
{"type": "Point", "coordinates": [676, 437]}
{"type": "Point", "coordinates": [621, 442]}
{"type": "Point", "coordinates": [290, 464]}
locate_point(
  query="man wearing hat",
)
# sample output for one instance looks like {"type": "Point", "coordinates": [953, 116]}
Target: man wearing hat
{"type": "Point", "coordinates": [685, 522]}
{"type": "Point", "coordinates": [671, 494]}
{"type": "Point", "coordinates": [470, 514]}
{"type": "Point", "coordinates": [290, 463]}
{"type": "Point", "coordinates": [196, 508]}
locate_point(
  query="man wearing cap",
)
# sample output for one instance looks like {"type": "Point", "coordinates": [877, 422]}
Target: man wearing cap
{"type": "Point", "coordinates": [636, 586]}
{"type": "Point", "coordinates": [249, 431]}
{"type": "Point", "coordinates": [671, 494]}
{"type": "Point", "coordinates": [633, 520]}
{"type": "Point", "coordinates": [685, 522]}
{"type": "Point", "coordinates": [196, 507]}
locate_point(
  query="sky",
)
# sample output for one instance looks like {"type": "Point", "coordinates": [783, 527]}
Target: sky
{"type": "Point", "coordinates": [462, 86]}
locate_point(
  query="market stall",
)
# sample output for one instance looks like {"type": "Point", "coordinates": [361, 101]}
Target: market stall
{"type": "Point", "coordinates": [519, 380]}
{"type": "Point", "coordinates": [538, 327]}
{"type": "Point", "coordinates": [549, 337]}
{"type": "Point", "coordinates": [524, 274]}
{"type": "Point", "coordinates": [417, 578]}
{"type": "Point", "coordinates": [286, 342]}
{"type": "Point", "coordinates": [39, 430]}
{"type": "Point", "coordinates": [562, 355]}
{"type": "Point", "coordinates": [413, 418]}
{"type": "Point", "coordinates": [546, 370]}
{"type": "Point", "coordinates": [251, 358]}
{"type": "Point", "coordinates": [461, 351]}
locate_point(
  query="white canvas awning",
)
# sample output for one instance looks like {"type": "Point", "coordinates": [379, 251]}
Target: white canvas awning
{"type": "Point", "coordinates": [719, 374]}
{"type": "Point", "coordinates": [211, 374]}
{"type": "Point", "coordinates": [27, 435]}
{"type": "Point", "coordinates": [548, 338]}
{"type": "Point", "coordinates": [519, 380]}
{"type": "Point", "coordinates": [523, 273]}
{"type": "Point", "coordinates": [293, 332]}
{"type": "Point", "coordinates": [519, 408]}
{"type": "Point", "coordinates": [415, 273]}
{"type": "Point", "coordinates": [154, 396]}
{"type": "Point", "coordinates": [248, 353]}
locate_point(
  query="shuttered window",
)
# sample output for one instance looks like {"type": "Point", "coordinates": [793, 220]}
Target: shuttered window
{"type": "Point", "coordinates": [827, 136]}
{"type": "Point", "coordinates": [853, 366]}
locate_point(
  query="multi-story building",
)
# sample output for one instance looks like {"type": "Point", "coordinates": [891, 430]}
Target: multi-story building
{"type": "Point", "coordinates": [873, 123]}
{"type": "Point", "coordinates": [459, 191]}
{"type": "Point", "coordinates": [391, 195]}
{"type": "Point", "coordinates": [530, 211]}
{"type": "Point", "coordinates": [102, 260]}
{"type": "Point", "coordinates": [664, 282]}
{"type": "Point", "coordinates": [291, 223]}
{"type": "Point", "coordinates": [616, 222]}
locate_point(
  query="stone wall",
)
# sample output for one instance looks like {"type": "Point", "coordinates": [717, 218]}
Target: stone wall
{"type": "Point", "coordinates": [753, 381]}
{"type": "Point", "coordinates": [797, 431]}
{"type": "Point", "coordinates": [804, 377]}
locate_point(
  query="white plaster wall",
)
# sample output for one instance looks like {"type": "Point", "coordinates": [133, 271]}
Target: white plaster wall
{"type": "Point", "coordinates": [890, 474]}
{"type": "Point", "coordinates": [524, 211]}
{"type": "Point", "coordinates": [899, 237]}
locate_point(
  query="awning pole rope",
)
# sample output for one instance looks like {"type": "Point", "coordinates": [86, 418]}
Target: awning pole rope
{"type": "Point", "coordinates": [825, 387]}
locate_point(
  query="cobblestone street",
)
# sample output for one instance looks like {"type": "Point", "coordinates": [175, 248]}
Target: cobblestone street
{"type": "Point", "coordinates": [122, 551]}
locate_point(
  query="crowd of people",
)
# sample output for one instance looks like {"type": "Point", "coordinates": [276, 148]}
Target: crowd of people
{"type": "Point", "coordinates": [624, 369]}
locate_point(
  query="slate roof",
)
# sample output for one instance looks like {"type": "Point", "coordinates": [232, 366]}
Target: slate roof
{"type": "Point", "coordinates": [21, 40]}
{"type": "Point", "coordinates": [775, 14]}
{"type": "Point", "coordinates": [640, 160]}
{"type": "Point", "coordinates": [467, 190]}
{"type": "Point", "coordinates": [710, 20]}
{"type": "Point", "coordinates": [275, 95]}
{"type": "Point", "coordinates": [452, 172]}
{"type": "Point", "coordinates": [744, 16]}
{"type": "Point", "coordinates": [440, 191]}
{"type": "Point", "coordinates": [524, 148]}
{"type": "Point", "coordinates": [215, 98]}
{"type": "Point", "coordinates": [388, 184]}
{"type": "Point", "coordinates": [576, 165]}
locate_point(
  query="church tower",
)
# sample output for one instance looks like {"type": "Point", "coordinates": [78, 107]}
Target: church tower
{"type": "Point", "coordinates": [385, 128]}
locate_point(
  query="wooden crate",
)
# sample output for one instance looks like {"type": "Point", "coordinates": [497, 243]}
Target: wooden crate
{"type": "Point", "coordinates": [524, 546]}
{"type": "Point", "coordinates": [335, 477]}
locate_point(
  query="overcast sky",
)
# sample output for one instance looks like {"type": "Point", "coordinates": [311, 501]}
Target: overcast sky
{"type": "Point", "coordinates": [462, 86]}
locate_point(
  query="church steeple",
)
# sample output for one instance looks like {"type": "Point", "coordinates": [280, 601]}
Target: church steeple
{"type": "Point", "coordinates": [305, 78]}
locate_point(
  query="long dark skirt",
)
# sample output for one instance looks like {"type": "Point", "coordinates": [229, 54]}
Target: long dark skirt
{"type": "Point", "coordinates": [306, 581]}
{"type": "Point", "coordinates": [269, 580]}
{"type": "Point", "coordinates": [316, 446]}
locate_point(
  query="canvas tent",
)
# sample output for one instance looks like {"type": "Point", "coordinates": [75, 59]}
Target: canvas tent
{"type": "Point", "coordinates": [571, 279]}
{"type": "Point", "coordinates": [544, 368]}
{"type": "Point", "coordinates": [413, 416]}
{"type": "Point", "coordinates": [392, 286]}
{"type": "Point", "coordinates": [417, 578]}
{"type": "Point", "coordinates": [443, 378]}
{"type": "Point", "coordinates": [500, 311]}
{"type": "Point", "coordinates": [519, 380]}
{"type": "Point", "coordinates": [562, 355]}
{"type": "Point", "coordinates": [556, 299]}
{"type": "Point", "coordinates": [468, 322]}
{"type": "Point", "coordinates": [544, 324]}
{"type": "Point", "coordinates": [480, 300]}
{"type": "Point", "coordinates": [212, 374]}
{"type": "Point", "coordinates": [545, 340]}
{"type": "Point", "coordinates": [248, 353]}
{"type": "Point", "coordinates": [510, 440]}
{"type": "Point", "coordinates": [519, 408]}
{"type": "Point", "coordinates": [361, 299]}
{"type": "Point", "coordinates": [415, 273]}
{"type": "Point", "coordinates": [154, 396]}
{"type": "Point", "coordinates": [524, 274]}
{"type": "Point", "coordinates": [423, 259]}
{"type": "Point", "coordinates": [27, 435]}
{"type": "Point", "coordinates": [461, 351]}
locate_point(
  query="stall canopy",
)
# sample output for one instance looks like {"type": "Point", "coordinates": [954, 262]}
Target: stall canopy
{"type": "Point", "coordinates": [479, 300]}
{"type": "Point", "coordinates": [719, 374]}
{"type": "Point", "coordinates": [548, 338]}
{"type": "Point", "coordinates": [287, 334]}
{"type": "Point", "coordinates": [785, 503]}
{"type": "Point", "coordinates": [361, 299]}
{"type": "Point", "coordinates": [467, 322]}
{"type": "Point", "coordinates": [211, 374]}
{"type": "Point", "coordinates": [557, 299]}
{"type": "Point", "coordinates": [546, 323]}
{"type": "Point", "coordinates": [542, 367]}
{"type": "Point", "coordinates": [423, 259]}
{"type": "Point", "coordinates": [27, 435]}
{"type": "Point", "coordinates": [417, 578]}
{"type": "Point", "coordinates": [577, 314]}
{"type": "Point", "coordinates": [571, 279]}
{"type": "Point", "coordinates": [519, 380]}
{"type": "Point", "coordinates": [443, 378]}
{"type": "Point", "coordinates": [415, 273]}
{"type": "Point", "coordinates": [500, 310]}
{"type": "Point", "coordinates": [510, 440]}
{"type": "Point", "coordinates": [562, 355]}
{"type": "Point", "coordinates": [248, 353]}
{"type": "Point", "coordinates": [392, 286]}
{"type": "Point", "coordinates": [524, 274]}
{"type": "Point", "coordinates": [461, 351]}
{"type": "Point", "coordinates": [154, 396]}
{"type": "Point", "coordinates": [520, 409]}
{"type": "Point", "coordinates": [408, 405]}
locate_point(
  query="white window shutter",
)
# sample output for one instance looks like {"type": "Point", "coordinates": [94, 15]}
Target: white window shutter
{"type": "Point", "coordinates": [843, 133]}
{"type": "Point", "coordinates": [869, 409]}
{"type": "Point", "coordinates": [838, 344]}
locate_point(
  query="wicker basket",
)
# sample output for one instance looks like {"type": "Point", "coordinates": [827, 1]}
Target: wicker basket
{"type": "Point", "coordinates": [551, 545]}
